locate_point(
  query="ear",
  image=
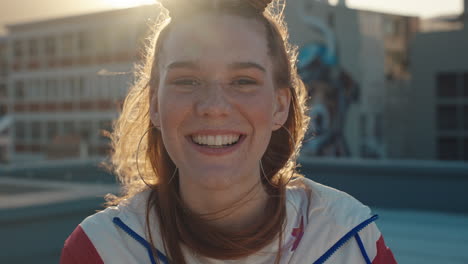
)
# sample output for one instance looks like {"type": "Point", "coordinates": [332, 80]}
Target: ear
{"type": "Point", "coordinates": [153, 110]}
{"type": "Point", "coordinates": [282, 102]}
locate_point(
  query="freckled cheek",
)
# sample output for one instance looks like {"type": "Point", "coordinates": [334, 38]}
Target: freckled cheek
{"type": "Point", "coordinates": [259, 113]}
{"type": "Point", "coordinates": [173, 113]}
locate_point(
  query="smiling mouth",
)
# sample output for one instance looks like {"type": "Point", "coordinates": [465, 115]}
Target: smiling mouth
{"type": "Point", "coordinates": [216, 141]}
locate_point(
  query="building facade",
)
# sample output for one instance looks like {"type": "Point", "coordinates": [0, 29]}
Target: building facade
{"type": "Point", "coordinates": [439, 111]}
{"type": "Point", "coordinates": [372, 49]}
{"type": "Point", "coordinates": [5, 118]}
{"type": "Point", "coordinates": [67, 78]}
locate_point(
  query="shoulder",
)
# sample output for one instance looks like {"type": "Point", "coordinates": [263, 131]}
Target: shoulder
{"type": "Point", "coordinates": [99, 235]}
{"type": "Point", "coordinates": [131, 211]}
{"type": "Point", "coordinates": [327, 202]}
{"type": "Point", "coordinates": [78, 248]}
{"type": "Point", "coordinates": [336, 220]}
{"type": "Point", "coordinates": [83, 244]}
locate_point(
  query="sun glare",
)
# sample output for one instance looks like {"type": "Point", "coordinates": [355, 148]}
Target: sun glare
{"type": "Point", "coordinates": [128, 3]}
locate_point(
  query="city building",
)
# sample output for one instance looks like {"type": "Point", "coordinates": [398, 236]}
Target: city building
{"type": "Point", "coordinates": [67, 79]}
{"type": "Point", "coordinates": [5, 119]}
{"type": "Point", "coordinates": [439, 108]}
{"type": "Point", "coordinates": [370, 49]}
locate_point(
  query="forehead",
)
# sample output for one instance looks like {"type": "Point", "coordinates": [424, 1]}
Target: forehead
{"type": "Point", "coordinates": [216, 38]}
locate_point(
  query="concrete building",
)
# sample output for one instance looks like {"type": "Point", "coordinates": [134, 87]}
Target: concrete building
{"type": "Point", "coordinates": [67, 78]}
{"type": "Point", "coordinates": [439, 108]}
{"type": "Point", "coordinates": [373, 49]}
{"type": "Point", "coordinates": [5, 119]}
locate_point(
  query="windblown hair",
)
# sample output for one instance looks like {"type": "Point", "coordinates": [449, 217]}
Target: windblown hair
{"type": "Point", "coordinates": [141, 162]}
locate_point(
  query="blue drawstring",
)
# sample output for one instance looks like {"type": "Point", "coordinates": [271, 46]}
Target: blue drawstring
{"type": "Point", "coordinates": [345, 239]}
{"type": "Point", "coordinates": [141, 240]}
{"type": "Point", "coordinates": [361, 247]}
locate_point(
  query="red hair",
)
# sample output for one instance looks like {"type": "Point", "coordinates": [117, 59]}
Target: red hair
{"type": "Point", "coordinates": [177, 224]}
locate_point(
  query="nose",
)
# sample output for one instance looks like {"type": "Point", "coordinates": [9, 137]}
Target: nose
{"type": "Point", "coordinates": [213, 101]}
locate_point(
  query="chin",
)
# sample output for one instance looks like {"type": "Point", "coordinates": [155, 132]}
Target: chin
{"type": "Point", "coordinates": [217, 182]}
{"type": "Point", "coordinates": [216, 178]}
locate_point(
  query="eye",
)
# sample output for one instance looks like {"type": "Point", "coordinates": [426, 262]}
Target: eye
{"type": "Point", "coordinates": [244, 82]}
{"type": "Point", "coordinates": [186, 82]}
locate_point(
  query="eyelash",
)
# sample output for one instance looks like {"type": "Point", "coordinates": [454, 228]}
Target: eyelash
{"type": "Point", "coordinates": [244, 81]}
{"type": "Point", "coordinates": [239, 82]}
{"type": "Point", "coordinates": [186, 82]}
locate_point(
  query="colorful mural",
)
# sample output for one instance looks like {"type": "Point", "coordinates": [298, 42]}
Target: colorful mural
{"type": "Point", "coordinates": [331, 91]}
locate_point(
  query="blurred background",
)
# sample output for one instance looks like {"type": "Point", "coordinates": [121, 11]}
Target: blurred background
{"type": "Point", "coordinates": [388, 82]}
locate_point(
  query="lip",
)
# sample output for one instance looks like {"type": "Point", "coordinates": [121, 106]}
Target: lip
{"type": "Point", "coordinates": [213, 132]}
{"type": "Point", "coordinates": [216, 151]}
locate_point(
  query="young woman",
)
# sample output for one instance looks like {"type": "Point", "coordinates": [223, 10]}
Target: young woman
{"type": "Point", "coordinates": [206, 149]}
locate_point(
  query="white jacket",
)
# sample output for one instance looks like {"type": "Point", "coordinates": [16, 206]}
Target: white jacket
{"type": "Point", "coordinates": [330, 227]}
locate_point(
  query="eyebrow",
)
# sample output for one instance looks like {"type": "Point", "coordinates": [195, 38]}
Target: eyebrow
{"type": "Point", "coordinates": [246, 65]}
{"type": "Point", "coordinates": [183, 64]}
{"type": "Point", "coordinates": [235, 65]}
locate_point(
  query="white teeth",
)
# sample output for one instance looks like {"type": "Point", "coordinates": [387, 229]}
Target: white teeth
{"type": "Point", "coordinates": [215, 140]}
{"type": "Point", "coordinates": [211, 140]}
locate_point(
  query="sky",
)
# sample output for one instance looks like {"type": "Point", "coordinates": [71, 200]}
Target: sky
{"type": "Point", "coordinates": [17, 11]}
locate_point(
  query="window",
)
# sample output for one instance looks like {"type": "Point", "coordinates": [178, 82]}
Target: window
{"type": "Point", "coordinates": [86, 128]}
{"type": "Point", "coordinates": [465, 84]}
{"type": "Point", "coordinates": [50, 46]}
{"type": "Point", "coordinates": [81, 87]}
{"type": "Point", "coordinates": [363, 125]}
{"type": "Point", "coordinates": [20, 130]}
{"type": "Point", "coordinates": [389, 27]}
{"type": "Point", "coordinates": [52, 130]}
{"type": "Point", "coordinates": [33, 48]}
{"type": "Point", "coordinates": [85, 42]}
{"type": "Point", "coordinates": [28, 88]}
{"type": "Point", "coordinates": [43, 90]}
{"type": "Point", "coordinates": [3, 109]}
{"type": "Point", "coordinates": [447, 118]}
{"type": "Point", "coordinates": [465, 149]}
{"type": "Point", "coordinates": [71, 85]}
{"type": "Point", "coordinates": [378, 127]}
{"type": "Point", "coordinates": [36, 128]}
{"type": "Point", "coordinates": [447, 148]}
{"type": "Point", "coordinates": [37, 84]}
{"type": "Point", "coordinates": [19, 90]}
{"type": "Point", "coordinates": [3, 51]}
{"type": "Point", "coordinates": [331, 20]}
{"type": "Point", "coordinates": [447, 85]}
{"type": "Point", "coordinates": [3, 90]}
{"type": "Point", "coordinates": [18, 48]}
{"type": "Point", "coordinates": [69, 128]}
{"type": "Point", "coordinates": [465, 117]}
{"type": "Point", "coordinates": [3, 69]}
{"type": "Point", "coordinates": [67, 45]}
{"type": "Point", "coordinates": [51, 90]}
{"type": "Point", "coordinates": [103, 42]}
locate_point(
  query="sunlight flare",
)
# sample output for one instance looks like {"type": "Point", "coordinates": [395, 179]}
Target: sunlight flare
{"type": "Point", "coordinates": [128, 3]}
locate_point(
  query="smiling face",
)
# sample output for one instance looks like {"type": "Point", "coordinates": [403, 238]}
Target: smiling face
{"type": "Point", "coordinates": [216, 102]}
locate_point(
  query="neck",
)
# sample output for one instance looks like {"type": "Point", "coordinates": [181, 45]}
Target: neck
{"type": "Point", "coordinates": [234, 208]}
